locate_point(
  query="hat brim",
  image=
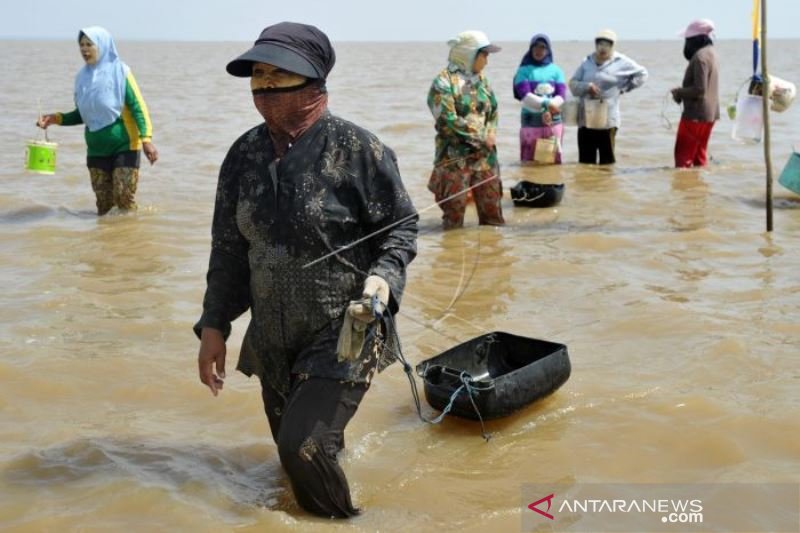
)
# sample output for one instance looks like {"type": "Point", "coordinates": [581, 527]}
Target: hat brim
{"type": "Point", "coordinates": [490, 48]}
{"type": "Point", "coordinates": [690, 34]}
{"type": "Point", "coordinates": [242, 66]}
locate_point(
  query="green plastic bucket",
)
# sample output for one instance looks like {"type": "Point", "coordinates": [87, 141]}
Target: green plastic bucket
{"type": "Point", "coordinates": [790, 176]}
{"type": "Point", "coordinates": [40, 157]}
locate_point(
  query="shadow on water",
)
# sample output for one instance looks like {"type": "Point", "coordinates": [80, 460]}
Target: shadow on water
{"type": "Point", "coordinates": [35, 213]}
{"type": "Point", "coordinates": [642, 170]}
{"type": "Point", "coordinates": [689, 210]}
{"type": "Point", "coordinates": [26, 214]}
{"type": "Point", "coordinates": [786, 202]}
{"type": "Point", "coordinates": [247, 475]}
{"type": "Point", "coordinates": [79, 214]}
{"type": "Point", "coordinates": [778, 202]}
{"type": "Point", "coordinates": [526, 419]}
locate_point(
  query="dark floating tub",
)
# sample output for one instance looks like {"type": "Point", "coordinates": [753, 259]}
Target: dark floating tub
{"type": "Point", "coordinates": [505, 373]}
{"type": "Point", "coordinates": [529, 194]}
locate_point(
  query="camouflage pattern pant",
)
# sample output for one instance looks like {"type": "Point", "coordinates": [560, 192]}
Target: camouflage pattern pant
{"type": "Point", "coordinates": [447, 181]}
{"type": "Point", "coordinates": [114, 181]}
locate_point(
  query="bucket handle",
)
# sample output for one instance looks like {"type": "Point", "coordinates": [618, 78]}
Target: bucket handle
{"type": "Point", "coordinates": [43, 133]}
{"type": "Point", "coordinates": [39, 108]}
{"type": "Point", "coordinates": [732, 106]}
{"type": "Point", "coordinates": [739, 90]}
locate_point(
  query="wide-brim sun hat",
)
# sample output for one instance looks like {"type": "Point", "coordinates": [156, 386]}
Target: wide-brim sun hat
{"type": "Point", "coordinates": [299, 48]}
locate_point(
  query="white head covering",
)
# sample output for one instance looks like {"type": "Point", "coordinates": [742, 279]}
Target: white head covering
{"type": "Point", "coordinates": [100, 88]}
{"type": "Point", "coordinates": [608, 35]}
{"type": "Point", "coordinates": [465, 47]}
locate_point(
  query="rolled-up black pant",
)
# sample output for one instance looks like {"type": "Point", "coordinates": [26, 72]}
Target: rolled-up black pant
{"type": "Point", "coordinates": [308, 427]}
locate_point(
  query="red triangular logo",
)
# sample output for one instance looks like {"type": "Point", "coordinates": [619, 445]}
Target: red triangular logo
{"type": "Point", "coordinates": [549, 500]}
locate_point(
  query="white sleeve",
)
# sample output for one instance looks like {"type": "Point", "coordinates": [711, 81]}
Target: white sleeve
{"type": "Point", "coordinates": [532, 102]}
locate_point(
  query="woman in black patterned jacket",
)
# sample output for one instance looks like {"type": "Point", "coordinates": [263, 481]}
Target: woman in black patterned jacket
{"type": "Point", "coordinates": [292, 190]}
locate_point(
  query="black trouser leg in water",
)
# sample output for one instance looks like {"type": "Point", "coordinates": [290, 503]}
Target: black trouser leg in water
{"type": "Point", "coordinates": [591, 142]}
{"type": "Point", "coordinates": [309, 431]}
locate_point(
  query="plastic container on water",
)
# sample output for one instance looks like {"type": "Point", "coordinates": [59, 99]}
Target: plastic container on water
{"type": "Point", "coordinates": [505, 373]}
{"type": "Point", "coordinates": [595, 113]}
{"type": "Point", "coordinates": [40, 157]}
{"type": "Point", "coordinates": [749, 118]}
{"type": "Point", "coordinates": [530, 194]}
{"type": "Point", "coordinates": [790, 176]}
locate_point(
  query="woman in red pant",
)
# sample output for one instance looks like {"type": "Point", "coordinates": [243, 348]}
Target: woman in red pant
{"type": "Point", "coordinates": [699, 95]}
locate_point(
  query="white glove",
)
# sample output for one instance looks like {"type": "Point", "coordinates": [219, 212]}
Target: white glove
{"type": "Point", "coordinates": [373, 286]}
{"type": "Point", "coordinates": [359, 315]}
{"type": "Point", "coordinates": [532, 102]}
{"type": "Point", "coordinates": [351, 338]}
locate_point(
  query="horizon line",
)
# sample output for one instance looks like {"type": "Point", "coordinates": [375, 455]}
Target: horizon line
{"type": "Point", "coordinates": [394, 41]}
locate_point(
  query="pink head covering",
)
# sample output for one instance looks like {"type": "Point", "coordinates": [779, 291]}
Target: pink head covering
{"type": "Point", "coordinates": [699, 27]}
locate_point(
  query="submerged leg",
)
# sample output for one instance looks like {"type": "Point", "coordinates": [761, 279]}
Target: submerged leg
{"type": "Point", "coordinates": [607, 142]}
{"type": "Point", "coordinates": [527, 140]}
{"type": "Point", "coordinates": [704, 134]}
{"type": "Point", "coordinates": [587, 146]}
{"type": "Point", "coordinates": [310, 437]}
{"type": "Point", "coordinates": [126, 179]}
{"type": "Point", "coordinates": [103, 189]}
{"type": "Point", "coordinates": [488, 198]}
{"type": "Point", "coordinates": [446, 182]}
{"type": "Point", "coordinates": [274, 405]}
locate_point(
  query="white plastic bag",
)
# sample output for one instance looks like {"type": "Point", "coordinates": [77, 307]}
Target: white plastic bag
{"type": "Point", "coordinates": [569, 113]}
{"type": "Point", "coordinates": [546, 150]}
{"type": "Point", "coordinates": [595, 114]}
{"type": "Point", "coordinates": [781, 93]}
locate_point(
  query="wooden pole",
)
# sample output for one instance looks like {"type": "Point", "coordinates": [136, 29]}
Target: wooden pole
{"type": "Point", "coordinates": [765, 108]}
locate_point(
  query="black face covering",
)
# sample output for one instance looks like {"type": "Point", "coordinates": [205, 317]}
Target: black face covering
{"type": "Point", "coordinates": [693, 44]}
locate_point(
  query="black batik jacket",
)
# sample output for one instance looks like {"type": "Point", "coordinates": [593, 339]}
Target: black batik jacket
{"type": "Point", "coordinates": [335, 185]}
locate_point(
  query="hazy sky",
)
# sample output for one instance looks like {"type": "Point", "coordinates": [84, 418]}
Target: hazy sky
{"type": "Point", "coordinates": [400, 20]}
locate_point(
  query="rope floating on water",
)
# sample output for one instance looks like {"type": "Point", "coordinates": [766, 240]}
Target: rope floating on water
{"type": "Point", "coordinates": [467, 384]}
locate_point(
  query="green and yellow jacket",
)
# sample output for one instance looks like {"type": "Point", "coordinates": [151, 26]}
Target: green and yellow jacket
{"type": "Point", "coordinates": [125, 134]}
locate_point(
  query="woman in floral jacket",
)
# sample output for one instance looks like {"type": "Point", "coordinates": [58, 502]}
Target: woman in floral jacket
{"type": "Point", "coordinates": [465, 109]}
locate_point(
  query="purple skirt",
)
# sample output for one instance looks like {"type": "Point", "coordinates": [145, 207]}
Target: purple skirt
{"type": "Point", "coordinates": [528, 136]}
